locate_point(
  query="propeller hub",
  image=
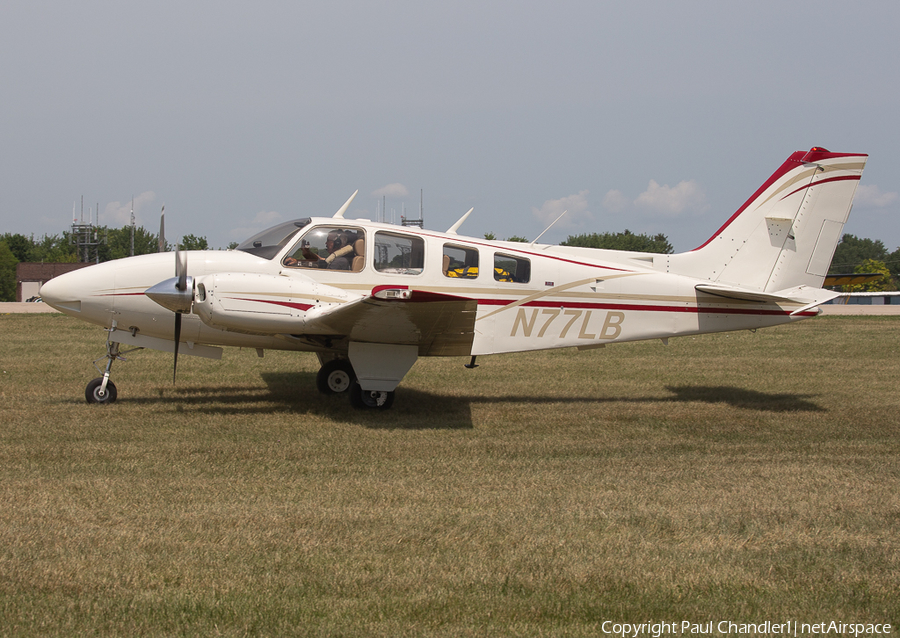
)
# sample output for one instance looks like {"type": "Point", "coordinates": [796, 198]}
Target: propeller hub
{"type": "Point", "coordinates": [171, 295]}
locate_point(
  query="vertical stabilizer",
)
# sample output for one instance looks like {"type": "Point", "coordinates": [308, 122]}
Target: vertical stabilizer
{"type": "Point", "coordinates": [784, 235]}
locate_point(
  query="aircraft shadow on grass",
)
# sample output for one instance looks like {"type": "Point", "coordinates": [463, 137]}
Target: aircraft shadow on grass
{"type": "Point", "coordinates": [736, 397]}
{"type": "Point", "coordinates": [296, 391]}
{"type": "Point", "coordinates": [747, 399]}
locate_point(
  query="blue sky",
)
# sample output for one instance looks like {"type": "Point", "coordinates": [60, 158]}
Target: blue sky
{"type": "Point", "coordinates": [652, 116]}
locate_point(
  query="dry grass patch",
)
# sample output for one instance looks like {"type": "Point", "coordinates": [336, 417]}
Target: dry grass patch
{"type": "Point", "coordinates": [746, 476]}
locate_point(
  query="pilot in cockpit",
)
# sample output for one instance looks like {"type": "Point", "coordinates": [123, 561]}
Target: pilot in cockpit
{"type": "Point", "coordinates": [338, 249]}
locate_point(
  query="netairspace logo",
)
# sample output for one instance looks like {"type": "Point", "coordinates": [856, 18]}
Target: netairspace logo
{"type": "Point", "coordinates": [728, 627]}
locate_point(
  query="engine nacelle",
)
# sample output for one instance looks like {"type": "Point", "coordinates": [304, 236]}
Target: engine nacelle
{"type": "Point", "coordinates": [262, 304]}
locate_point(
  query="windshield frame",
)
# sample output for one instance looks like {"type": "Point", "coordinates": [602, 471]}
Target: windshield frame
{"type": "Point", "coordinates": [268, 243]}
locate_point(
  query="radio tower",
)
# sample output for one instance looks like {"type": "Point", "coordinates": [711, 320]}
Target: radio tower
{"type": "Point", "coordinates": [86, 237]}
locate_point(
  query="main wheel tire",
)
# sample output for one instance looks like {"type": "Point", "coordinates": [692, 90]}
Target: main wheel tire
{"type": "Point", "coordinates": [92, 392]}
{"type": "Point", "coordinates": [335, 377]}
{"type": "Point", "coordinates": [369, 399]}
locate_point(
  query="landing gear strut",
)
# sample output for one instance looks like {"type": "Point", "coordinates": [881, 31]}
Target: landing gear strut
{"type": "Point", "coordinates": [102, 389]}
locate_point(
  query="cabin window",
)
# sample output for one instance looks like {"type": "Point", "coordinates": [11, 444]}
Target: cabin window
{"type": "Point", "coordinates": [400, 254]}
{"type": "Point", "coordinates": [511, 269]}
{"type": "Point", "coordinates": [331, 247]}
{"type": "Point", "coordinates": [459, 262]}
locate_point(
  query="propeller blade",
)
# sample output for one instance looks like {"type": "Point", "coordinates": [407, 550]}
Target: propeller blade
{"type": "Point", "coordinates": [182, 282]}
{"type": "Point", "coordinates": [181, 268]}
{"type": "Point", "coordinates": [177, 340]}
{"type": "Point", "coordinates": [162, 230]}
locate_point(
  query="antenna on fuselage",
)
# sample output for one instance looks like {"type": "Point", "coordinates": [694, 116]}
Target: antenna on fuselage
{"type": "Point", "coordinates": [343, 209]}
{"type": "Point", "coordinates": [534, 241]}
{"type": "Point", "coordinates": [455, 227]}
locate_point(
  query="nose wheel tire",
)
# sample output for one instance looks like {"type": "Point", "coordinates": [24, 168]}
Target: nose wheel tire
{"type": "Point", "coordinates": [369, 399]}
{"type": "Point", "coordinates": [335, 377]}
{"type": "Point", "coordinates": [93, 393]}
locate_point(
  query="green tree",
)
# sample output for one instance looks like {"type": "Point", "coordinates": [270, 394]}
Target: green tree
{"type": "Point", "coordinates": [518, 239]}
{"type": "Point", "coordinates": [893, 263]}
{"type": "Point", "coordinates": [490, 236]}
{"type": "Point", "coordinates": [54, 249]}
{"type": "Point", "coordinates": [626, 240]}
{"type": "Point", "coordinates": [118, 242]}
{"type": "Point", "coordinates": [20, 245]}
{"type": "Point", "coordinates": [191, 242]}
{"type": "Point", "coordinates": [8, 263]}
{"type": "Point", "coordinates": [853, 251]}
{"type": "Point", "coordinates": [885, 282]}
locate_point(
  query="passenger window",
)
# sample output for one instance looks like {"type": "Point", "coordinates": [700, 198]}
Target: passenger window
{"type": "Point", "coordinates": [331, 247]}
{"type": "Point", "coordinates": [511, 269]}
{"type": "Point", "coordinates": [401, 254]}
{"type": "Point", "coordinates": [459, 262]}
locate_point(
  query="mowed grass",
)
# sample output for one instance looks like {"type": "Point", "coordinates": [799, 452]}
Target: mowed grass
{"type": "Point", "coordinates": [743, 476]}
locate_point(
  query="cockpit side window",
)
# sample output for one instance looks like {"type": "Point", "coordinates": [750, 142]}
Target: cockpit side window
{"type": "Point", "coordinates": [331, 247]}
{"type": "Point", "coordinates": [459, 262]}
{"type": "Point", "coordinates": [269, 242]}
{"type": "Point", "coordinates": [399, 254]}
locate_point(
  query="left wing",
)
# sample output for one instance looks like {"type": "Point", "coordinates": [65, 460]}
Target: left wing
{"type": "Point", "coordinates": [439, 325]}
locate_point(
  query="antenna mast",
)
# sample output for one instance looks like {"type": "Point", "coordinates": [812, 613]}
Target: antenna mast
{"type": "Point", "coordinates": [86, 237]}
{"type": "Point", "coordinates": [132, 226]}
{"type": "Point", "coordinates": [416, 222]}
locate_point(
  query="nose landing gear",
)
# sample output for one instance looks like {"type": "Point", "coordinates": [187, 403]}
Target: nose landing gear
{"type": "Point", "coordinates": [102, 389]}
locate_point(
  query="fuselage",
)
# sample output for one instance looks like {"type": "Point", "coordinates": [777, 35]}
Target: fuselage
{"type": "Point", "coordinates": [529, 296]}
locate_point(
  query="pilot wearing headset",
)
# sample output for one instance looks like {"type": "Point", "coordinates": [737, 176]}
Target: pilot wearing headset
{"type": "Point", "coordinates": [338, 245]}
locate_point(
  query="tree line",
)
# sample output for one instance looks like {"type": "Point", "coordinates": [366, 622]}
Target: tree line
{"type": "Point", "coordinates": [111, 243]}
{"type": "Point", "coordinates": [853, 254]}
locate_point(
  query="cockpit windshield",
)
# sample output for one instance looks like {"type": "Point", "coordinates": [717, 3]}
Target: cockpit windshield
{"type": "Point", "coordinates": [269, 242]}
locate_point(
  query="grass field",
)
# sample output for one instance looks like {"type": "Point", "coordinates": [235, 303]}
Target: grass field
{"type": "Point", "coordinates": [744, 477]}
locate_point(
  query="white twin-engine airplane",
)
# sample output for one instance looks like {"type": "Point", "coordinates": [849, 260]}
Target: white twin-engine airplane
{"type": "Point", "coordinates": [370, 298]}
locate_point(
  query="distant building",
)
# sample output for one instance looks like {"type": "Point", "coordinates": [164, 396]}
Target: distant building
{"type": "Point", "coordinates": [30, 276]}
{"type": "Point", "coordinates": [867, 299]}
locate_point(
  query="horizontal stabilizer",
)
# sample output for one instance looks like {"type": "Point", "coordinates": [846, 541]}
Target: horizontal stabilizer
{"type": "Point", "coordinates": [808, 296]}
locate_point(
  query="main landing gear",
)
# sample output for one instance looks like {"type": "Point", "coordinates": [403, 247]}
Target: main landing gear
{"type": "Point", "coordinates": [337, 376]}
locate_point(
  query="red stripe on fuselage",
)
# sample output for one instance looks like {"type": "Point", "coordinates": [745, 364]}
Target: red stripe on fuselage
{"type": "Point", "coordinates": [646, 308]}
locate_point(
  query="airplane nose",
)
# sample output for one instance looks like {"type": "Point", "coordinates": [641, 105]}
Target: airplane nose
{"type": "Point", "coordinates": [65, 292]}
{"type": "Point", "coordinates": [52, 292]}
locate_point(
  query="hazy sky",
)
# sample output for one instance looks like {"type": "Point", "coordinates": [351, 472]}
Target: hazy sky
{"type": "Point", "coordinates": [652, 116]}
